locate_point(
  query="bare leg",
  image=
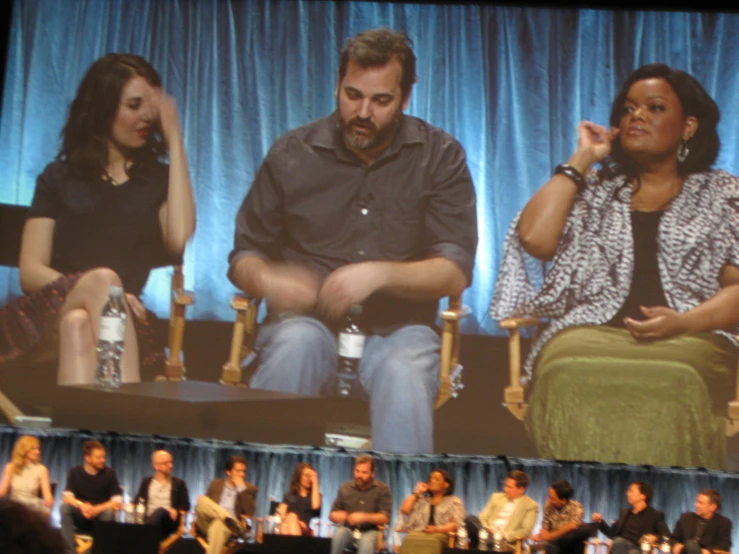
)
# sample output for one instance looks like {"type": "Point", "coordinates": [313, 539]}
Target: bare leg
{"type": "Point", "coordinates": [79, 327]}
{"type": "Point", "coordinates": [291, 525]}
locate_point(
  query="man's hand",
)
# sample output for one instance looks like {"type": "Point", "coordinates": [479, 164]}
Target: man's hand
{"type": "Point", "coordinates": [239, 481]}
{"type": "Point", "coordinates": [662, 323]}
{"type": "Point", "coordinates": [88, 510]}
{"type": "Point", "coordinates": [290, 288]}
{"type": "Point", "coordinates": [355, 518]}
{"type": "Point", "coordinates": [173, 514]}
{"type": "Point", "coordinates": [597, 518]}
{"type": "Point", "coordinates": [350, 284]}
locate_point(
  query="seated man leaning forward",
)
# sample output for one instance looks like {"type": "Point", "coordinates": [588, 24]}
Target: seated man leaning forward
{"type": "Point", "coordinates": [703, 531]}
{"type": "Point", "coordinates": [368, 207]}
{"type": "Point", "coordinates": [165, 496]}
{"type": "Point", "coordinates": [92, 493]}
{"type": "Point", "coordinates": [562, 530]}
{"type": "Point", "coordinates": [360, 506]}
{"type": "Point", "coordinates": [640, 520]}
{"type": "Point", "coordinates": [510, 513]}
{"type": "Point", "coordinates": [225, 505]}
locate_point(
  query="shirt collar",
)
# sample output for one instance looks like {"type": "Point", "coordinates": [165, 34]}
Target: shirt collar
{"type": "Point", "coordinates": [327, 136]}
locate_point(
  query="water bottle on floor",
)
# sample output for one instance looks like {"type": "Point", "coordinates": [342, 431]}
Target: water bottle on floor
{"type": "Point", "coordinates": [140, 511]}
{"type": "Point", "coordinates": [462, 539]}
{"type": "Point", "coordinates": [350, 348]}
{"type": "Point", "coordinates": [110, 341]}
{"type": "Point", "coordinates": [483, 537]}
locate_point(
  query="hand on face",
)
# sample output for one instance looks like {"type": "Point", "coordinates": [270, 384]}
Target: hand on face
{"type": "Point", "coordinates": [421, 487]}
{"type": "Point", "coordinates": [595, 140]}
{"type": "Point", "coordinates": [169, 122]}
{"type": "Point", "coordinates": [662, 323]}
{"type": "Point", "coordinates": [348, 285]}
{"type": "Point", "coordinates": [290, 288]}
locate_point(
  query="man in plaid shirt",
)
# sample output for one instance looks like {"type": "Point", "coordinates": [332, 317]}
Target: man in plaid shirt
{"type": "Point", "coordinates": [561, 529]}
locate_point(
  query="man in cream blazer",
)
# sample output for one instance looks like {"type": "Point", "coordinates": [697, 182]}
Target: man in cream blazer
{"type": "Point", "coordinates": [511, 513]}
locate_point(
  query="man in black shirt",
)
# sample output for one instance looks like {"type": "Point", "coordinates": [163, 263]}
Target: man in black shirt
{"type": "Point", "coordinates": [641, 520]}
{"type": "Point", "coordinates": [368, 207]}
{"type": "Point", "coordinates": [92, 493]}
{"type": "Point", "coordinates": [703, 531]}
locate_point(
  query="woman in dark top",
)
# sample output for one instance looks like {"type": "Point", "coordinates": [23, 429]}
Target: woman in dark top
{"type": "Point", "coordinates": [302, 502]}
{"type": "Point", "coordinates": [103, 213]}
{"type": "Point", "coordinates": [635, 262]}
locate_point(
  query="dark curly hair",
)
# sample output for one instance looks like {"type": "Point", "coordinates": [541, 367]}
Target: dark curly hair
{"type": "Point", "coordinates": [295, 479]}
{"type": "Point", "coordinates": [86, 134]}
{"type": "Point", "coordinates": [376, 47]}
{"type": "Point", "coordinates": [704, 145]}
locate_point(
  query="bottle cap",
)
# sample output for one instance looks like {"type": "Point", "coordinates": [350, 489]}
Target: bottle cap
{"type": "Point", "coordinates": [116, 292]}
{"type": "Point", "coordinates": [355, 310]}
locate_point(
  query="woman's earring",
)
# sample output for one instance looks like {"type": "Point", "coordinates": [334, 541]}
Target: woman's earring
{"type": "Point", "coordinates": [683, 151]}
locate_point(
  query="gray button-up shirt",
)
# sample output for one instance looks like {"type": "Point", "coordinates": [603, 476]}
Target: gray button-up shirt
{"type": "Point", "coordinates": [375, 499]}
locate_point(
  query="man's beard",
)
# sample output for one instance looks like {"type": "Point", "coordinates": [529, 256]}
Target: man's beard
{"type": "Point", "coordinates": [374, 138]}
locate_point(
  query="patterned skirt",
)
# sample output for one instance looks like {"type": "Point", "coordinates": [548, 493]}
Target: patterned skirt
{"type": "Point", "coordinates": [29, 326]}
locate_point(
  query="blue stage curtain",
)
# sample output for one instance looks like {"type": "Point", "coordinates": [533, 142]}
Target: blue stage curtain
{"type": "Point", "coordinates": [511, 83]}
{"type": "Point", "coordinates": [600, 487]}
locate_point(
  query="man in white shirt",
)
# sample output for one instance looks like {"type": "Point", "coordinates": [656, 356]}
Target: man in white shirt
{"type": "Point", "coordinates": [510, 513]}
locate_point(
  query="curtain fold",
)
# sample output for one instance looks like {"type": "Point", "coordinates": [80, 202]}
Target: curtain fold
{"type": "Point", "coordinates": [511, 83]}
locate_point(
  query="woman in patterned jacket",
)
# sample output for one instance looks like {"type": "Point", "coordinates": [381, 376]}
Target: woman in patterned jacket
{"type": "Point", "coordinates": [636, 267]}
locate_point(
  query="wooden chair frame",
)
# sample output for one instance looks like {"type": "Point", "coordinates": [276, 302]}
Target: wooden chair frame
{"type": "Point", "coordinates": [245, 330]}
{"type": "Point", "coordinates": [167, 543]}
{"type": "Point", "coordinates": [514, 393]}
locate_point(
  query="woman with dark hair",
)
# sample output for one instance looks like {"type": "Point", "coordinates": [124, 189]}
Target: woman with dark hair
{"type": "Point", "coordinates": [103, 213]}
{"type": "Point", "coordinates": [432, 512]}
{"type": "Point", "coordinates": [302, 502]}
{"type": "Point", "coordinates": [636, 265]}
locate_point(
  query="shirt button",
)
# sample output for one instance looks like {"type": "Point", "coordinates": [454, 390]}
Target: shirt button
{"type": "Point", "coordinates": [360, 252]}
{"type": "Point", "coordinates": [364, 211]}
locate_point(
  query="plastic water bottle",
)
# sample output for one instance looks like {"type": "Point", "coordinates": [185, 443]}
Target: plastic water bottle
{"type": "Point", "coordinates": [356, 535]}
{"type": "Point", "coordinates": [128, 510]}
{"type": "Point", "coordinates": [483, 538]}
{"type": "Point", "coordinates": [498, 545]}
{"type": "Point", "coordinates": [276, 523]}
{"type": "Point", "coordinates": [664, 545]}
{"type": "Point", "coordinates": [644, 545]}
{"type": "Point", "coordinates": [351, 345]}
{"type": "Point", "coordinates": [140, 511]}
{"type": "Point", "coordinates": [110, 341]}
{"type": "Point", "coordinates": [462, 539]}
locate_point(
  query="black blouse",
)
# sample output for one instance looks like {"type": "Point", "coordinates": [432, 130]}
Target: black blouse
{"type": "Point", "coordinates": [98, 224]}
{"type": "Point", "coordinates": [646, 285]}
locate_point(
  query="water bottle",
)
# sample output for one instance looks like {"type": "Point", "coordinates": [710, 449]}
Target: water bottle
{"type": "Point", "coordinates": [140, 511]}
{"type": "Point", "coordinates": [110, 341]}
{"type": "Point", "coordinates": [498, 542]}
{"type": "Point", "coordinates": [462, 539]}
{"type": "Point", "coordinates": [351, 345]}
{"type": "Point", "coordinates": [483, 537]}
{"type": "Point", "coordinates": [128, 510]}
{"type": "Point", "coordinates": [356, 535]}
{"type": "Point", "coordinates": [276, 523]}
{"type": "Point", "coordinates": [644, 545]}
{"type": "Point", "coordinates": [664, 545]}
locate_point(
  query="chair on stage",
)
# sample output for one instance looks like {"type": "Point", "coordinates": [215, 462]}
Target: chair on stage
{"type": "Point", "coordinates": [401, 530]}
{"type": "Point", "coordinates": [12, 220]}
{"type": "Point", "coordinates": [245, 332]}
{"type": "Point", "coordinates": [630, 398]}
{"type": "Point", "coordinates": [167, 542]}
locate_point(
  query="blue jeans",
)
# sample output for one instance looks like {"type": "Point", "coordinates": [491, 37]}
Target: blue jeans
{"type": "Point", "coordinates": [622, 546]}
{"type": "Point", "coordinates": [72, 520]}
{"type": "Point", "coordinates": [399, 373]}
{"type": "Point", "coordinates": [343, 538]}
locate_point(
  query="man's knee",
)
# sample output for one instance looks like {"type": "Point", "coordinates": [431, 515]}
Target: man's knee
{"type": "Point", "coordinates": [299, 334]}
{"type": "Point", "coordinates": [106, 515]}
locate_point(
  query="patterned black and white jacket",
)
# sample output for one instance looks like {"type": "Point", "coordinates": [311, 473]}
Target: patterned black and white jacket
{"type": "Point", "coordinates": [589, 277]}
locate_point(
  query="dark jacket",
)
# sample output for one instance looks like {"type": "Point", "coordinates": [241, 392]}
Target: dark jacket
{"type": "Point", "coordinates": [716, 533]}
{"type": "Point", "coordinates": [653, 523]}
{"type": "Point", "coordinates": [246, 500]}
{"type": "Point", "coordinates": [180, 497]}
